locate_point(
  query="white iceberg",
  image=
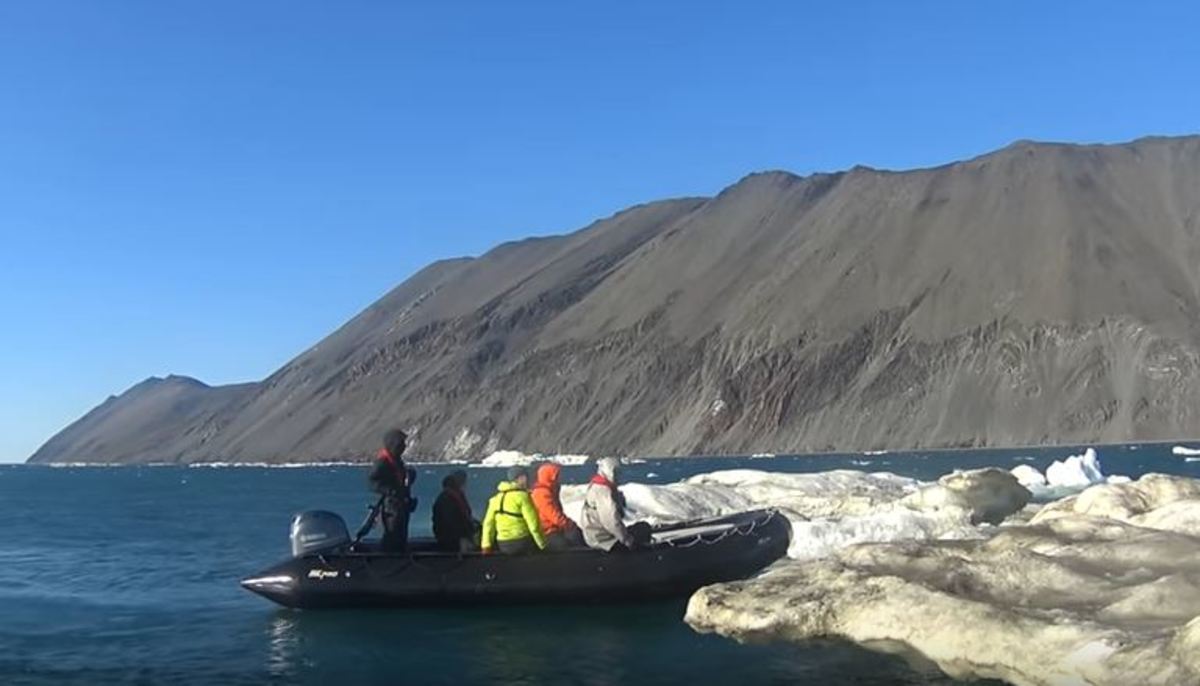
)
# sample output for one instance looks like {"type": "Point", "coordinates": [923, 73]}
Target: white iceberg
{"type": "Point", "coordinates": [1064, 477]}
{"type": "Point", "coordinates": [570, 459]}
{"type": "Point", "coordinates": [516, 458]}
{"type": "Point", "coordinates": [1185, 451]}
{"type": "Point", "coordinates": [1077, 471]}
{"type": "Point", "coordinates": [1029, 477]}
{"type": "Point", "coordinates": [507, 458]}
{"type": "Point", "coordinates": [81, 465]}
{"type": "Point", "coordinates": [1103, 589]}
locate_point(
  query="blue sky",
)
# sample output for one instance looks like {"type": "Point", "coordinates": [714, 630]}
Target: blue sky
{"type": "Point", "coordinates": [207, 188]}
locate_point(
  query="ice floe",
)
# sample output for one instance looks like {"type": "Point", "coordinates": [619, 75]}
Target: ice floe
{"type": "Point", "coordinates": [830, 510]}
{"type": "Point", "coordinates": [1099, 588]}
{"type": "Point", "coordinates": [1183, 450]}
{"type": "Point", "coordinates": [984, 495]}
{"type": "Point", "coordinates": [1156, 501]}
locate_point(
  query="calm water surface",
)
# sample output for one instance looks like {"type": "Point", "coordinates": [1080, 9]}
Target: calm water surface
{"type": "Point", "coordinates": [129, 575]}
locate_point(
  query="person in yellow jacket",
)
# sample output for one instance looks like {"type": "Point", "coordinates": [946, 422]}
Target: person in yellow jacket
{"type": "Point", "coordinates": [511, 524]}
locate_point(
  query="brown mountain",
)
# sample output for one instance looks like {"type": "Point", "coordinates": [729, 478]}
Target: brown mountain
{"type": "Point", "coordinates": [1043, 293]}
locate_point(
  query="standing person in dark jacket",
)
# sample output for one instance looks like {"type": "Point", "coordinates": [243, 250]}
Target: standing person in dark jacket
{"type": "Point", "coordinates": [392, 480]}
{"type": "Point", "coordinates": [453, 526]}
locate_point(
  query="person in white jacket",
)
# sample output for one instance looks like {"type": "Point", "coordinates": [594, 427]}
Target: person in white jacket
{"type": "Point", "coordinates": [602, 521]}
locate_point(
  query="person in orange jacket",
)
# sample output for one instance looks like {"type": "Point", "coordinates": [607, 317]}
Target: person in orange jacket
{"type": "Point", "coordinates": [560, 531]}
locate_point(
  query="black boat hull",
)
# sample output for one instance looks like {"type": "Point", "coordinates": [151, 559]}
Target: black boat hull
{"type": "Point", "coordinates": [696, 554]}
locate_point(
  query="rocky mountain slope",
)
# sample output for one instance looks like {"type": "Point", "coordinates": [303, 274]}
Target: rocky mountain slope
{"type": "Point", "coordinates": [1043, 293]}
{"type": "Point", "coordinates": [134, 426]}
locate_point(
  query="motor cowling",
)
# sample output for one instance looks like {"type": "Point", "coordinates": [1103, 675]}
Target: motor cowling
{"type": "Point", "coordinates": [317, 530]}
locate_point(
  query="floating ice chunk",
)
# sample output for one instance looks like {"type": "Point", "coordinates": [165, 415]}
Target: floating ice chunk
{"type": "Point", "coordinates": [761, 456]}
{"type": "Point", "coordinates": [1064, 477]}
{"type": "Point", "coordinates": [77, 465]}
{"type": "Point", "coordinates": [1077, 599]}
{"type": "Point", "coordinates": [1029, 477]}
{"type": "Point", "coordinates": [1185, 451]}
{"type": "Point", "coordinates": [514, 458]}
{"type": "Point", "coordinates": [507, 458]}
{"type": "Point", "coordinates": [567, 460]}
{"type": "Point", "coordinates": [1077, 471]}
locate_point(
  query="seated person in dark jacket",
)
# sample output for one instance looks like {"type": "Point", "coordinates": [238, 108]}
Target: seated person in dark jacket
{"type": "Point", "coordinates": [453, 526]}
{"type": "Point", "coordinates": [392, 480]}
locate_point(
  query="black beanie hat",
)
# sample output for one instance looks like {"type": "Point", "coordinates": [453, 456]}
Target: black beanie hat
{"type": "Point", "coordinates": [394, 442]}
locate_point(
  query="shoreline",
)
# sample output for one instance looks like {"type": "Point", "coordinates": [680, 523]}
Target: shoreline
{"type": "Point", "coordinates": [756, 456]}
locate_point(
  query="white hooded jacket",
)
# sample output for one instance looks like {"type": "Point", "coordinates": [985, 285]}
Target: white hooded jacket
{"type": "Point", "coordinates": [601, 521]}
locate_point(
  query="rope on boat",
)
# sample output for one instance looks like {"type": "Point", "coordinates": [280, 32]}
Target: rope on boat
{"type": "Point", "coordinates": [698, 539]}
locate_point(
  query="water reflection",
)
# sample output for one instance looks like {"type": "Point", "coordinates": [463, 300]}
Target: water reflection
{"type": "Point", "coordinates": [507, 653]}
{"type": "Point", "coordinates": [593, 646]}
{"type": "Point", "coordinates": [587, 645]}
{"type": "Point", "coordinates": [283, 642]}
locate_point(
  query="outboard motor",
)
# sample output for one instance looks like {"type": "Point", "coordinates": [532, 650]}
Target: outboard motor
{"type": "Point", "coordinates": [317, 530]}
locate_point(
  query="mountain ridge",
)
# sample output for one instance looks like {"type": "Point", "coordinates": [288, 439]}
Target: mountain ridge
{"type": "Point", "coordinates": [1037, 293]}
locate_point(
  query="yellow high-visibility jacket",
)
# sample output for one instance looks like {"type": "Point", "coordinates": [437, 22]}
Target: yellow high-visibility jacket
{"type": "Point", "coordinates": [511, 516]}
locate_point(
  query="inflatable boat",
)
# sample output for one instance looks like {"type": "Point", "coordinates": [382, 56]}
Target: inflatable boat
{"type": "Point", "coordinates": [329, 570]}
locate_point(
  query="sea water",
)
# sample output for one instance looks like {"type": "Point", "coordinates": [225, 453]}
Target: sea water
{"type": "Point", "coordinates": [130, 575]}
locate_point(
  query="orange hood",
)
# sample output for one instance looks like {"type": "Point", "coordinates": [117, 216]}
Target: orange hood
{"type": "Point", "coordinates": [547, 475]}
